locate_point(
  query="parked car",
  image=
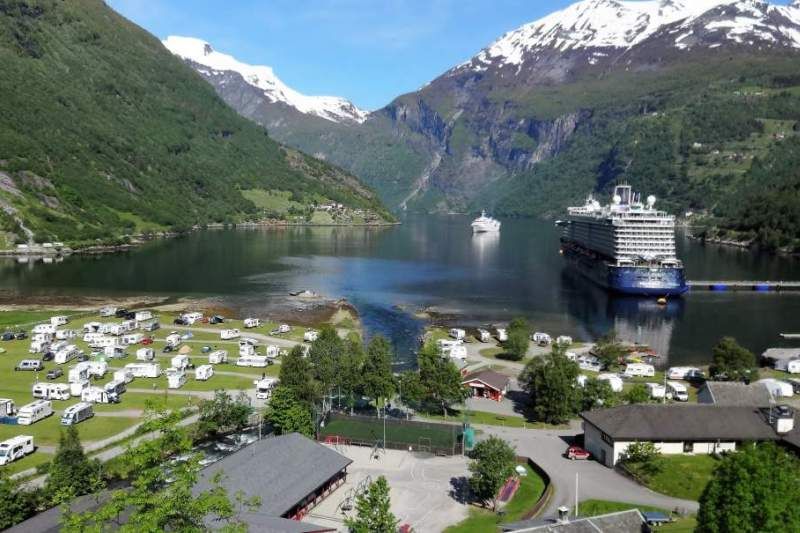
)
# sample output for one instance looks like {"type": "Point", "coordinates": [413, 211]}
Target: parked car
{"type": "Point", "coordinates": [179, 322]}
{"type": "Point", "coordinates": [48, 356]}
{"type": "Point", "coordinates": [55, 373]}
{"type": "Point", "coordinates": [216, 319]}
{"type": "Point", "coordinates": [20, 335]}
{"type": "Point", "coordinates": [577, 453]}
{"type": "Point", "coordinates": [130, 315]}
{"type": "Point", "coordinates": [120, 313]}
{"type": "Point", "coordinates": [147, 341]}
{"type": "Point", "coordinates": [8, 336]}
{"type": "Point", "coordinates": [167, 349]}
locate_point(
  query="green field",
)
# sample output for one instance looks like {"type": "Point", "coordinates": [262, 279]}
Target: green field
{"type": "Point", "coordinates": [481, 520]}
{"type": "Point", "coordinates": [683, 476]}
{"type": "Point", "coordinates": [370, 430]}
{"type": "Point", "coordinates": [11, 319]}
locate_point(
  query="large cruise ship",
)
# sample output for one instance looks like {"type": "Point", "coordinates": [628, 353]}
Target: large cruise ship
{"type": "Point", "coordinates": [627, 246]}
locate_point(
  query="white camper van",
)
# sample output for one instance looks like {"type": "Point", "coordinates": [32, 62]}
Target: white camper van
{"type": "Point", "coordinates": [144, 370]}
{"type": "Point", "coordinates": [203, 372]}
{"type": "Point", "coordinates": [258, 361]}
{"type": "Point", "coordinates": [681, 372]}
{"type": "Point", "coordinates": [75, 414]}
{"type": "Point", "coordinates": [657, 391]}
{"type": "Point", "coordinates": [34, 411]}
{"type": "Point", "coordinates": [264, 388]}
{"type": "Point", "coordinates": [176, 378]}
{"type": "Point", "coordinates": [633, 370]}
{"type": "Point", "coordinates": [145, 354]}
{"type": "Point", "coordinates": [677, 391]}
{"type": "Point", "coordinates": [15, 448]}
{"type": "Point", "coordinates": [50, 391]}
{"type": "Point", "coordinates": [218, 357]}
{"type": "Point", "coordinates": [115, 387]}
{"type": "Point", "coordinates": [484, 335]}
{"type": "Point", "coordinates": [228, 334]}
{"type": "Point", "coordinates": [250, 323]}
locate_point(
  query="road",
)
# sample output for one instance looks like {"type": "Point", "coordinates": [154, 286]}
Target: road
{"type": "Point", "coordinates": [595, 481]}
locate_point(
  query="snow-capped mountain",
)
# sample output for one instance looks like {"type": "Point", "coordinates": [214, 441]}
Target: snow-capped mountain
{"type": "Point", "coordinates": [209, 63]}
{"type": "Point", "coordinates": [599, 29]}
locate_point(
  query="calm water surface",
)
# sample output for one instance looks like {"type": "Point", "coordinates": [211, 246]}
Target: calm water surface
{"type": "Point", "coordinates": [436, 262]}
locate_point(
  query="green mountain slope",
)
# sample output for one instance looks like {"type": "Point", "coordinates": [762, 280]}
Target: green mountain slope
{"type": "Point", "coordinates": [103, 132]}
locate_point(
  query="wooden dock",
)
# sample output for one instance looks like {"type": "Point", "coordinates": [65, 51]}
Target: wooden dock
{"type": "Point", "coordinates": [736, 285]}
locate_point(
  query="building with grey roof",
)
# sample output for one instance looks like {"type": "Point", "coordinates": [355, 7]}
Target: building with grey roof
{"type": "Point", "coordinates": [685, 429]}
{"type": "Point", "coordinates": [487, 384]}
{"type": "Point", "coordinates": [630, 521]}
{"type": "Point", "coordinates": [290, 473]}
{"type": "Point", "coordinates": [732, 393]}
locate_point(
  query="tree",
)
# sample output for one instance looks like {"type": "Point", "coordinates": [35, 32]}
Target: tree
{"type": "Point", "coordinates": [373, 510]}
{"type": "Point", "coordinates": [551, 383]}
{"type": "Point", "coordinates": [159, 497]}
{"type": "Point", "coordinates": [732, 362]}
{"type": "Point", "coordinates": [377, 378]}
{"type": "Point", "coordinates": [71, 473]}
{"type": "Point", "coordinates": [642, 458]}
{"type": "Point", "coordinates": [597, 393]}
{"type": "Point", "coordinates": [223, 413]}
{"type": "Point", "coordinates": [325, 354]}
{"type": "Point", "coordinates": [439, 379]}
{"type": "Point", "coordinates": [637, 394]}
{"type": "Point", "coordinates": [410, 387]}
{"type": "Point", "coordinates": [296, 374]}
{"type": "Point", "coordinates": [519, 339]}
{"type": "Point", "coordinates": [493, 462]}
{"type": "Point", "coordinates": [609, 350]}
{"type": "Point", "coordinates": [755, 489]}
{"type": "Point", "coordinates": [16, 505]}
{"type": "Point", "coordinates": [350, 372]}
{"type": "Point", "coordinates": [288, 414]}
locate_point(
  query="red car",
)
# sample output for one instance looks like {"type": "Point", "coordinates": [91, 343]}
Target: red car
{"type": "Point", "coordinates": [576, 452]}
{"type": "Point", "coordinates": [147, 340]}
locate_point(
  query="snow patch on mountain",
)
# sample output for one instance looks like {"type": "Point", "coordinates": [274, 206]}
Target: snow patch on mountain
{"type": "Point", "coordinates": [263, 77]}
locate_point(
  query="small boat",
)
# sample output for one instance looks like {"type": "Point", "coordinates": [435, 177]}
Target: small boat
{"type": "Point", "coordinates": [485, 224]}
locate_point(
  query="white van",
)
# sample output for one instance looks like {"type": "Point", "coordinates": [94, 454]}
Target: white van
{"type": "Point", "coordinates": [250, 323]}
{"type": "Point", "coordinates": [15, 448]}
{"type": "Point", "coordinates": [58, 320]}
{"type": "Point", "coordinates": [176, 378]}
{"type": "Point", "coordinates": [258, 361]}
{"type": "Point", "coordinates": [264, 388]}
{"type": "Point", "coordinates": [458, 334]}
{"type": "Point", "coordinates": [30, 364]}
{"type": "Point", "coordinates": [76, 388]}
{"type": "Point", "coordinates": [34, 411]}
{"type": "Point", "coordinates": [614, 380]}
{"type": "Point", "coordinates": [677, 391]}
{"type": "Point", "coordinates": [310, 335]}
{"type": "Point", "coordinates": [657, 391]}
{"type": "Point", "coordinates": [218, 357]}
{"type": "Point", "coordinates": [203, 372]}
{"type": "Point", "coordinates": [144, 370]}
{"type": "Point", "coordinates": [50, 391]}
{"type": "Point", "coordinates": [228, 334]}
{"type": "Point", "coordinates": [75, 414]}
{"type": "Point", "coordinates": [633, 370]}
{"type": "Point", "coordinates": [145, 354]}
{"type": "Point", "coordinates": [66, 354]}
{"type": "Point", "coordinates": [123, 375]}
{"type": "Point", "coordinates": [180, 361]}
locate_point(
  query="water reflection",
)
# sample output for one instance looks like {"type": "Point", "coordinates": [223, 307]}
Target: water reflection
{"type": "Point", "coordinates": [485, 247]}
{"type": "Point", "coordinates": [645, 321]}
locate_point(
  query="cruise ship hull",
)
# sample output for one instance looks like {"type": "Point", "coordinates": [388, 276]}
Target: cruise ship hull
{"type": "Point", "coordinates": [637, 280]}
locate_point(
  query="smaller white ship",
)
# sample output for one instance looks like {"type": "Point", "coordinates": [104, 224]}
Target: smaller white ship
{"type": "Point", "coordinates": [484, 224]}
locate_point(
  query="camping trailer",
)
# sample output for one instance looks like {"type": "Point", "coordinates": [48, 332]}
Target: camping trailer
{"type": "Point", "coordinates": [124, 375]}
{"type": "Point", "coordinates": [39, 346]}
{"type": "Point", "coordinates": [97, 369]}
{"type": "Point", "coordinates": [502, 334]}
{"type": "Point", "coordinates": [176, 378]}
{"type": "Point", "coordinates": [264, 388]}
{"type": "Point", "coordinates": [66, 334]}
{"type": "Point", "coordinates": [76, 387]}
{"type": "Point", "coordinates": [142, 316]}
{"type": "Point", "coordinates": [144, 370]}
{"type": "Point", "coordinates": [778, 388]}
{"type": "Point", "coordinates": [218, 357]}
{"type": "Point", "coordinates": [108, 311]}
{"type": "Point", "coordinates": [657, 391]}
{"type": "Point", "coordinates": [15, 448]}
{"type": "Point", "coordinates": [484, 335]}
{"type": "Point", "coordinates": [458, 334]}
{"type": "Point", "coordinates": [34, 411]}
{"type": "Point", "coordinates": [681, 372]}
{"type": "Point", "coordinates": [78, 372]}
{"type": "Point", "coordinates": [229, 334]}
{"type": "Point", "coordinates": [59, 320]}
{"type": "Point", "coordinates": [66, 354]}
{"type": "Point", "coordinates": [75, 414]}
{"type": "Point", "coordinates": [633, 370]}
{"type": "Point", "coordinates": [564, 340]}
{"type": "Point", "coordinates": [44, 328]}
{"type": "Point", "coordinates": [613, 380]}
{"type": "Point", "coordinates": [7, 408]}
{"type": "Point", "coordinates": [145, 354]}
{"type": "Point", "coordinates": [542, 339]}
{"type": "Point", "coordinates": [130, 339]}
{"type": "Point", "coordinates": [677, 391]}
{"type": "Point", "coordinates": [203, 372]}
{"type": "Point", "coordinates": [50, 391]}
{"type": "Point", "coordinates": [180, 361]}
{"type": "Point", "coordinates": [792, 366]}
{"type": "Point", "coordinates": [458, 352]}
{"type": "Point", "coordinates": [250, 323]}
{"type": "Point", "coordinates": [258, 361]}
{"type": "Point", "coordinates": [97, 395]}
{"type": "Point", "coordinates": [173, 339]}
{"type": "Point", "coordinates": [273, 351]}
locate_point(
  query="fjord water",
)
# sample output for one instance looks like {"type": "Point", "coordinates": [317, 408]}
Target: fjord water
{"type": "Point", "coordinates": [435, 262]}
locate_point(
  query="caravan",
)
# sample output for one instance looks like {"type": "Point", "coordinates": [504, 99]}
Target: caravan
{"type": "Point", "coordinates": [635, 370]}
{"type": "Point", "coordinates": [484, 335]}
{"type": "Point", "coordinates": [92, 338]}
{"type": "Point", "coordinates": [181, 362]}
{"type": "Point", "coordinates": [108, 311]}
{"type": "Point", "coordinates": [190, 318]}
{"type": "Point", "coordinates": [97, 369]}
{"type": "Point", "coordinates": [792, 366]}
{"type": "Point", "coordinates": [50, 391]}
{"type": "Point", "coordinates": [657, 391]}
{"type": "Point", "coordinates": [778, 388]}
{"type": "Point", "coordinates": [78, 372]}
{"type": "Point", "coordinates": [44, 328]}
{"type": "Point", "coordinates": [91, 327]}
{"type": "Point", "coordinates": [144, 370]}
{"type": "Point", "coordinates": [458, 334]}
{"type": "Point", "coordinates": [613, 380]}
{"type": "Point", "coordinates": [218, 357]}
{"type": "Point", "coordinates": [58, 320]}
{"type": "Point", "coordinates": [15, 448]}
{"type": "Point", "coordinates": [123, 375]}
{"type": "Point", "coordinates": [98, 395]}
{"type": "Point", "coordinates": [502, 334]}
{"type": "Point", "coordinates": [145, 354]}
{"type": "Point", "coordinates": [7, 408]}
{"type": "Point", "coordinates": [130, 339]}
{"type": "Point", "coordinates": [458, 352]}
{"type": "Point", "coordinates": [677, 391]}
{"type": "Point", "coordinates": [564, 340]}
{"type": "Point", "coordinates": [76, 388]}
{"type": "Point", "coordinates": [66, 354]}
{"type": "Point", "coordinates": [39, 346]}
{"type": "Point", "coordinates": [176, 378]}
{"type": "Point", "coordinates": [228, 334]}
{"type": "Point", "coordinates": [34, 411]}
{"type": "Point", "coordinates": [75, 414]}
{"type": "Point", "coordinates": [264, 388]}
{"type": "Point", "coordinates": [142, 316]}
{"type": "Point", "coordinates": [66, 334]}
{"type": "Point", "coordinates": [542, 339]}
{"type": "Point", "coordinates": [273, 351]}
{"type": "Point", "coordinates": [114, 352]}
{"type": "Point", "coordinates": [203, 372]}
{"type": "Point", "coordinates": [258, 361]}
{"type": "Point", "coordinates": [173, 339]}
{"type": "Point", "coordinates": [250, 323]}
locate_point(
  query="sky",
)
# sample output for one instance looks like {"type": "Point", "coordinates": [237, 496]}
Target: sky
{"type": "Point", "coordinates": [368, 51]}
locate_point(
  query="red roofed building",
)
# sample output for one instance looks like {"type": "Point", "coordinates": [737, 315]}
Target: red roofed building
{"type": "Point", "coordinates": [487, 384]}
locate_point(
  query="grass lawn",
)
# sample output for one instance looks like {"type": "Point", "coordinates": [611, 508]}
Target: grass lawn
{"type": "Point", "coordinates": [31, 461]}
{"type": "Point", "coordinates": [46, 432]}
{"type": "Point", "coordinates": [598, 507]}
{"type": "Point", "coordinates": [481, 520]}
{"type": "Point", "coordinates": [9, 319]}
{"type": "Point", "coordinates": [492, 352]}
{"type": "Point", "coordinates": [682, 476]}
{"type": "Point", "coordinates": [493, 419]}
{"type": "Point", "coordinates": [371, 430]}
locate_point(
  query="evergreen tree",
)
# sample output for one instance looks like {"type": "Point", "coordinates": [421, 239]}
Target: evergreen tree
{"type": "Point", "coordinates": [350, 372]}
{"type": "Point", "coordinates": [373, 510]}
{"type": "Point", "coordinates": [551, 383]}
{"type": "Point", "coordinates": [439, 379]}
{"type": "Point", "coordinates": [16, 505]}
{"type": "Point", "coordinates": [730, 361]}
{"type": "Point", "coordinates": [289, 415]}
{"type": "Point", "coordinates": [378, 381]}
{"type": "Point", "coordinates": [493, 462]}
{"type": "Point", "coordinates": [756, 489]}
{"type": "Point", "coordinates": [298, 376]}
{"type": "Point", "coordinates": [223, 412]}
{"type": "Point", "coordinates": [325, 354]}
{"type": "Point", "coordinates": [71, 473]}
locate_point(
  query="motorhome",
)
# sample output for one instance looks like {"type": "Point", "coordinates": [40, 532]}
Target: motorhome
{"type": "Point", "coordinates": [542, 339]}
{"type": "Point", "coordinates": [144, 370]}
{"type": "Point", "coordinates": [7, 408]}
{"type": "Point", "coordinates": [39, 346]}
{"type": "Point", "coordinates": [50, 391]}
{"type": "Point", "coordinates": [250, 323]}
{"type": "Point", "coordinates": [589, 363]}
{"type": "Point", "coordinates": [633, 370]}
{"type": "Point", "coordinates": [141, 316]}
{"type": "Point", "coordinates": [258, 361]}
{"type": "Point", "coordinates": [246, 350]}
{"type": "Point", "coordinates": [76, 388]}
{"type": "Point", "coordinates": [108, 311]}
{"type": "Point", "coordinates": [657, 391]}
{"type": "Point", "coordinates": [176, 378]}
{"type": "Point", "coordinates": [677, 391]}
{"type": "Point", "coordinates": [284, 328]}
{"type": "Point", "coordinates": [218, 357]}
{"type": "Point", "coordinates": [98, 395]}
{"type": "Point", "coordinates": [75, 414]}
{"type": "Point", "coordinates": [34, 411]}
{"type": "Point", "coordinates": [173, 339]}
{"type": "Point", "coordinates": [66, 334]}
{"type": "Point", "coordinates": [458, 352]}
{"type": "Point", "coordinates": [58, 320]}
{"type": "Point", "coordinates": [124, 375]}
{"type": "Point", "coordinates": [228, 334]}
{"type": "Point", "coordinates": [97, 369]}
{"type": "Point", "coordinates": [132, 338]}
{"type": "Point", "coordinates": [66, 354]}
{"type": "Point", "coordinates": [445, 345]}
{"type": "Point", "coordinates": [78, 372]}
{"type": "Point", "coordinates": [613, 380]}
{"type": "Point", "coordinates": [115, 387]}
{"type": "Point", "coordinates": [15, 448]}
{"type": "Point", "coordinates": [44, 328]}
{"type": "Point", "coordinates": [484, 335]}
{"type": "Point", "coordinates": [502, 334]}
{"type": "Point", "coordinates": [572, 356]}
{"type": "Point", "coordinates": [92, 337]}
{"type": "Point", "coordinates": [310, 335]}
{"type": "Point", "coordinates": [273, 351]}
{"type": "Point", "coordinates": [180, 361]}
{"type": "Point", "coordinates": [264, 388]}
{"type": "Point", "coordinates": [203, 372]}
{"type": "Point", "coordinates": [681, 372]}
{"type": "Point", "coordinates": [191, 318]}
{"type": "Point", "coordinates": [564, 340]}
{"type": "Point", "coordinates": [127, 326]}
{"type": "Point", "coordinates": [458, 334]}
{"type": "Point", "coordinates": [792, 366]}
{"type": "Point", "coordinates": [145, 354]}
{"type": "Point", "coordinates": [59, 345]}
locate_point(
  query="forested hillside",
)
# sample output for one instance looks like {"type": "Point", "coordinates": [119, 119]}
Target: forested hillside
{"type": "Point", "coordinates": [103, 132]}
